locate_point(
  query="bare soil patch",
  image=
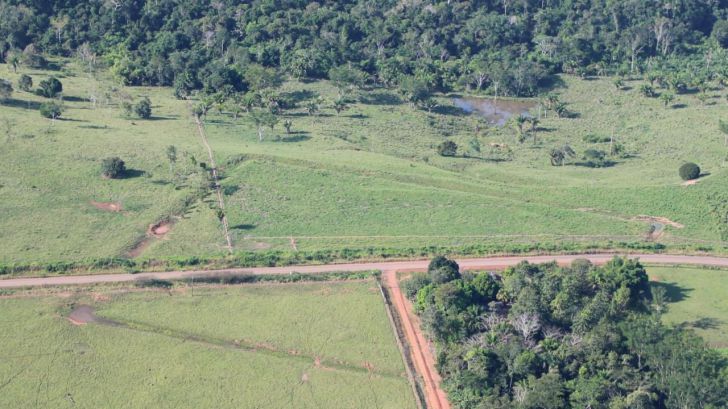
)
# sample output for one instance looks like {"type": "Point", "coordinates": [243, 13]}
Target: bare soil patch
{"type": "Point", "coordinates": [81, 315]}
{"type": "Point", "coordinates": [690, 182]}
{"type": "Point", "coordinates": [160, 229]}
{"type": "Point", "coordinates": [657, 219]}
{"type": "Point", "coordinates": [107, 206]}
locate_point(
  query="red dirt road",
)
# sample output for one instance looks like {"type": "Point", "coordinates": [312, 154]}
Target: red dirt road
{"type": "Point", "coordinates": [419, 346]}
{"type": "Point", "coordinates": [412, 265]}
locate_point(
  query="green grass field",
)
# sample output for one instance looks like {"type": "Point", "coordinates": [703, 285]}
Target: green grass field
{"type": "Point", "coordinates": [697, 300]}
{"type": "Point", "coordinates": [368, 177]}
{"type": "Point", "coordinates": [324, 345]}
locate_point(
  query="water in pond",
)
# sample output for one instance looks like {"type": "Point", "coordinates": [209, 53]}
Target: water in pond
{"type": "Point", "coordinates": [496, 112]}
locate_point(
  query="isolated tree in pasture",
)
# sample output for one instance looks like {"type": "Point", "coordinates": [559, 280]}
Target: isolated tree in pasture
{"type": "Point", "coordinates": [25, 82]}
{"type": "Point", "coordinates": [667, 98]}
{"type": "Point", "coordinates": [561, 110]}
{"type": "Point", "coordinates": [51, 110]}
{"type": "Point", "coordinates": [50, 88]}
{"type": "Point", "coordinates": [647, 90]}
{"type": "Point", "coordinates": [559, 155]}
{"type": "Point", "coordinates": [689, 171]}
{"type": "Point", "coordinates": [13, 58]}
{"type": "Point", "coordinates": [113, 167]}
{"type": "Point", "coordinates": [143, 108]}
{"type": "Point", "coordinates": [287, 124]}
{"type": "Point", "coordinates": [261, 119]}
{"type": "Point", "coordinates": [6, 90]}
{"type": "Point", "coordinates": [447, 148]}
{"type": "Point", "coordinates": [171, 153]}
{"type": "Point", "coordinates": [534, 126]}
{"type": "Point", "coordinates": [340, 104]}
{"type": "Point", "coordinates": [312, 106]}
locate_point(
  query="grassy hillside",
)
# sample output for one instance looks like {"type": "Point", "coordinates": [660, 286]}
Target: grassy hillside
{"type": "Point", "coordinates": [368, 177]}
{"type": "Point", "coordinates": [179, 351]}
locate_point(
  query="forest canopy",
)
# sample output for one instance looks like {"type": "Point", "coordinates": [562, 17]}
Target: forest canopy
{"type": "Point", "coordinates": [507, 46]}
{"type": "Point", "coordinates": [550, 337]}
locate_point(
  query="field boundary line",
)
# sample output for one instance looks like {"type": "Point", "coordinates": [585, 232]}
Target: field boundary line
{"type": "Point", "coordinates": [396, 323]}
{"type": "Point", "coordinates": [216, 181]}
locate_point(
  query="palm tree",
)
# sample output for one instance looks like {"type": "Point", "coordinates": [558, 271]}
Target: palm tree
{"type": "Point", "coordinates": [534, 127]}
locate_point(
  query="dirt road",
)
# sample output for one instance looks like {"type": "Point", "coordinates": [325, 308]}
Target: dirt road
{"type": "Point", "coordinates": [412, 265]}
{"type": "Point", "coordinates": [420, 348]}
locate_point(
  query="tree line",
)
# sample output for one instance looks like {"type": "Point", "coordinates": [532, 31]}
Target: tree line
{"type": "Point", "coordinates": [506, 47]}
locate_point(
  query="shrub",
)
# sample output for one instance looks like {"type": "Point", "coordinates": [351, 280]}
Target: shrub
{"type": "Point", "coordinates": [113, 167]}
{"type": "Point", "coordinates": [441, 270]}
{"type": "Point", "coordinates": [51, 110]}
{"type": "Point", "coordinates": [689, 171]}
{"type": "Point", "coordinates": [447, 148]}
{"type": "Point", "coordinates": [594, 158]}
{"type": "Point", "coordinates": [6, 89]}
{"type": "Point", "coordinates": [594, 138]}
{"type": "Point", "coordinates": [143, 108]}
{"type": "Point", "coordinates": [414, 283]}
{"type": "Point", "coordinates": [25, 82]}
{"type": "Point", "coordinates": [50, 88]}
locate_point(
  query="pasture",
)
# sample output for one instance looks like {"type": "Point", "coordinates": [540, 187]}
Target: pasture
{"type": "Point", "coordinates": [322, 345]}
{"type": "Point", "coordinates": [366, 177]}
{"type": "Point", "coordinates": [696, 299]}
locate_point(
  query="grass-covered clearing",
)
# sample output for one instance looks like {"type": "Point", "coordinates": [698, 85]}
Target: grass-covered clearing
{"type": "Point", "coordinates": [697, 299]}
{"type": "Point", "coordinates": [368, 177]}
{"type": "Point", "coordinates": [324, 345]}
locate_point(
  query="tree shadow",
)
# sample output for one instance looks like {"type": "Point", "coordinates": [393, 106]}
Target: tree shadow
{"type": "Point", "coordinates": [300, 95]}
{"type": "Point", "coordinates": [160, 118]}
{"type": "Point", "coordinates": [295, 137]}
{"type": "Point", "coordinates": [70, 98]}
{"type": "Point", "coordinates": [131, 174]}
{"type": "Point", "coordinates": [673, 292]}
{"type": "Point", "coordinates": [704, 323]}
{"type": "Point", "coordinates": [678, 106]}
{"type": "Point", "coordinates": [551, 83]}
{"type": "Point", "coordinates": [380, 98]}
{"type": "Point", "coordinates": [244, 226]}
{"type": "Point", "coordinates": [17, 103]}
{"type": "Point", "coordinates": [93, 127]}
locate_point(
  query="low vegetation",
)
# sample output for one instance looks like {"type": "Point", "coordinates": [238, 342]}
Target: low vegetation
{"type": "Point", "coordinates": [190, 355]}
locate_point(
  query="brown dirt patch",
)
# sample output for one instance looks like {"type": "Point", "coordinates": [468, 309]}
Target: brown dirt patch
{"type": "Point", "coordinates": [160, 229]}
{"type": "Point", "coordinates": [81, 315]}
{"type": "Point", "coordinates": [657, 219]}
{"type": "Point", "coordinates": [107, 206]}
{"type": "Point", "coordinates": [690, 182]}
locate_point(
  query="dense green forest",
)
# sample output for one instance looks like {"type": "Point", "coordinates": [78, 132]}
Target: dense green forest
{"type": "Point", "coordinates": [543, 336]}
{"type": "Point", "coordinates": [507, 46]}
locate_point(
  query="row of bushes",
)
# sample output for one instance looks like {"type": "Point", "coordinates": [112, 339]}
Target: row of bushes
{"type": "Point", "coordinates": [284, 258]}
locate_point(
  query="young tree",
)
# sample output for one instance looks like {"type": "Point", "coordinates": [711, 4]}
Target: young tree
{"type": "Point", "coordinates": [113, 167]}
{"type": "Point", "coordinates": [171, 153]}
{"type": "Point", "coordinates": [50, 88]}
{"type": "Point", "coordinates": [25, 82]}
{"type": "Point", "coordinates": [447, 148]}
{"type": "Point", "coordinates": [143, 108]}
{"type": "Point", "coordinates": [723, 126]}
{"type": "Point", "coordinates": [340, 105]}
{"type": "Point", "coordinates": [51, 110]}
{"type": "Point", "coordinates": [6, 90]}
{"type": "Point", "coordinates": [261, 119]}
{"type": "Point", "coordinates": [667, 98]}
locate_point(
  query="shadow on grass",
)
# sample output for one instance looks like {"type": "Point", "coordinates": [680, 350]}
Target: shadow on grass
{"type": "Point", "coordinates": [295, 137]}
{"type": "Point", "coordinates": [71, 98]}
{"type": "Point", "coordinates": [673, 292]}
{"type": "Point", "coordinates": [131, 174]}
{"type": "Point", "coordinates": [449, 110]}
{"type": "Point", "coordinates": [17, 103]}
{"type": "Point", "coordinates": [300, 95]}
{"type": "Point", "coordinates": [380, 98]}
{"type": "Point", "coordinates": [243, 227]}
{"type": "Point", "coordinates": [678, 106]}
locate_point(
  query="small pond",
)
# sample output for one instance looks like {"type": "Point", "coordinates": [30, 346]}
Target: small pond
{"type": "Point", "coordinates": [496, 112]}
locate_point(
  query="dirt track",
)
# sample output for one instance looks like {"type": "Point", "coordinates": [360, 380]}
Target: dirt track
{"type": "Point", "coordinates": [420, 347]}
